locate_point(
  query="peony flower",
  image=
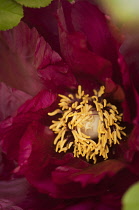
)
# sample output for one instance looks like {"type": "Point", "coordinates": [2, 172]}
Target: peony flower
{"type": "Point", "coordinates": [50, 135]}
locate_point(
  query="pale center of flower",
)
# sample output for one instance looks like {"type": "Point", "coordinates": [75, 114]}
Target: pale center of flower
{"type": "Point", "coordinates": [90, 126]}
{"type": "Point", "coordinates": [87, 126]}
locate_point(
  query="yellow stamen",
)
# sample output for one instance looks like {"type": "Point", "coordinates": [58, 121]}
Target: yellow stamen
{"type": "Point", "coordinates": [88, 125]}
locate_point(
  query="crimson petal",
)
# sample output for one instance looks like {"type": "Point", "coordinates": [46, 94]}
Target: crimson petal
{"type": "Point", "coordinates": [11, 100]}
{"type": "Point", "coordinates": [40, 19]}
{"type": "Point", "coordinates": [17, 52]}
{"type": "Point", "coordinates": [28, 112]}
{"type": "Point", "coordinates": [77, 55]}
{"type": "Point", "coordinates": [65, 176]}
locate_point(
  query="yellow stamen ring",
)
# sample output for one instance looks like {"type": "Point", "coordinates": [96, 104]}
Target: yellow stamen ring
{"type": "Point", "coordinates": [80, 111]}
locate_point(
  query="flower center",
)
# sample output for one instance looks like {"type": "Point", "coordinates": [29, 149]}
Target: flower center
{"type": "Point", "coordinates": [90, 126]}
{"type": "Point", "coordinates": [87, 126]}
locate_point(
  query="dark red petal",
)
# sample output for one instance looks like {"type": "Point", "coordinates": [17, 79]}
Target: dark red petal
{"type": "Point", "coordinates": [58, 77]}
{"type": "Point", "coordinates": [23, 54]}
{"type": "Point", "coordinates": [87, 204]}
{"type": "Point", "coordinates": [35, 162]}
{"type": "Point", "coordinates": [133, 143]}
{"type": "Point", "coordinates": [76, 53]}
{"type": "Point", "coordinates": [36, 149]}
{"type": "Point", "coordinates": [17, 53]}
{"type": "Point", "coordinates": [89, 19]}
{"type": "Point", "coordinates": [114, 90]}
{"type": "Point", "coordinates": [6, 167]}
{"type": "Point", "coordinates": [130, 105]}
{"type": "Point", "coordinates": [44, 20]}
{"type": "Point", "coordinates": [11, 99]}
{"type": "Point", "coordinates": [12, 129]}
{"type": "Point", "coordinates": [78, 56]}
{"type": "Point", "coordinates": [130, 49]}
{"type": "Point", "coordinates": [61, 176]}
{"type": "Point", "coordinates": [12, 193]}
{"type": "Point", "coordinates": [42, 100]}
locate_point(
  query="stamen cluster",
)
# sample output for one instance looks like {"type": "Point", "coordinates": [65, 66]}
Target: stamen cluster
{"type": "Point", "coordinates": [75, 112]}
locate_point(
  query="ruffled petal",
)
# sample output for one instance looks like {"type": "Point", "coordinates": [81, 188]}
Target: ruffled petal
{"type": "Point", "coordinates": [42, 100]}
{"type": "Point", "coordinates": [86, 17]}
{"type": "Point", "coordinates": [65, 176]}
{"type": "Point", "coordinates": [133, 143]}
{"type": "Point", "coordinates": [130, 50]}
{"type": "Point", "coordinates": [78, 56]}
{"type": "Point", "coordinates": [32, 110]}
{"type": "Point", "coordinates": [12, 193]}
{"type": "Point", "coordinates": [44, 20]}
{"type": "Point", "coordinates": [11, 99]}
{"type": "Point", "coordinates": [24, 53]}
{"type": "Point", "coordinates": [94, 43]}
{"type": "Point", "coordinates": [58, 77]}
{"type": "Point", "coordinates": [131, 104]}
{"type": "Point", "coordinates": [17, 53]}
